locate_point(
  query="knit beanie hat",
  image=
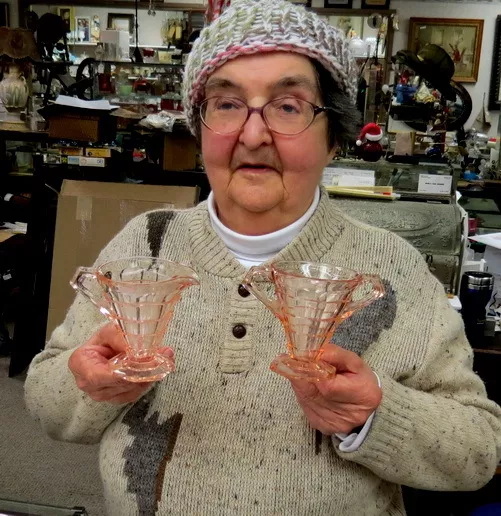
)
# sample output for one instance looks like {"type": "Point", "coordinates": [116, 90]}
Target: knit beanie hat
{"type": "Point", "coordinates": [250, 27]}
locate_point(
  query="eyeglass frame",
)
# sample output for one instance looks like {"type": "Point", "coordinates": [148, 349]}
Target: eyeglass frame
{"type": "Point", "coordinates": [260, 110]}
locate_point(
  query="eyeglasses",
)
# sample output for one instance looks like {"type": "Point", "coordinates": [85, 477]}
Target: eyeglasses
{"type": "Point", "coordinates": [286, 115]}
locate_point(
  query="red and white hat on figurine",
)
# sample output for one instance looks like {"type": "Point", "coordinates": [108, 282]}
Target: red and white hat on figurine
{"type": "Point", "coordinates": [371, 132]}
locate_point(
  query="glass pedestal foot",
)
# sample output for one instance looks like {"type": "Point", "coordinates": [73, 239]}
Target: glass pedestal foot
{"type": "Point", "coordinates": [295, 369]}
{"type": "Point", "coordinates": [148, 369]}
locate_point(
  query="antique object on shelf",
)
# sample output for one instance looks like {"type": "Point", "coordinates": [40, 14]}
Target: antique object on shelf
{"type": "Point", "coordinates": [138, 295]}
{"type": "Point", "coordinates": [13, 88]}
{"type": "Point", "coordinates": [435, 230]}
{"type": "Point", "coordinates": [310, 300]}
{"type": "Point", "coordinates": [461, 38]}
{"type": "Point", "coordinates": [417, 103]}
{"type": "Point", "coordinates": [17, 50]}
{"type": "Point", "coordinates": [368, 141]}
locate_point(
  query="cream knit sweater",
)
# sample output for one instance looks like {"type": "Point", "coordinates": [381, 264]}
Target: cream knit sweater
{"type": "Point", "coordinates": [223, 435]}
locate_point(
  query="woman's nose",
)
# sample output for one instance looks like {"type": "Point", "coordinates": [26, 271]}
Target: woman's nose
{"type": "Point", "coordinates": [255, 132]}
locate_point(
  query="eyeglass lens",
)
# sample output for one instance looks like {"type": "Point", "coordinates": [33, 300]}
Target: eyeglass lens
{"type": "Point", "coordinates": [287, 115]}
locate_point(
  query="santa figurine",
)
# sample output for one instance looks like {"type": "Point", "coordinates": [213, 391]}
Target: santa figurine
{"type": "Point", "coordinates": [368, 140]}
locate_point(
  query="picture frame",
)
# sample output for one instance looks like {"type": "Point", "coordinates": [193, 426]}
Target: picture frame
{"type": "Point", "coordinates": [338, 4]}
{"type": "Point", "coordinates": [82, 29]}
{"type": "Point", "coordinates": [67, 13]}
{"type": "Point", "coordinates": [461, 38]}
{"type": "Point", "coordinates": [376, 4]}
{"type": "Point", "coordinates": [121, 21]}
{"type": "Point", "coordinates": [305, 3]}
{"type": "Point", "coordinates": [4, 14]}
{"type": "Point", "coordinates": [495, 86]}
{"type": "Point", "coordinates": [95, 28]}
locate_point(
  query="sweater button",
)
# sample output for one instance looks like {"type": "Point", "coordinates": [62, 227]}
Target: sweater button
{"type": "Point", "coordinates": [239, 331]}
{"type": "Point", "coordinates": [243, 291]}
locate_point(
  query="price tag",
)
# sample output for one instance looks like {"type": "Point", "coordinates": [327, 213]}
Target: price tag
{"type": "Point", "coordinates": [434, 184]}
{"type": "Point", "coordinates": [332, 176]}
{"type": "Point", "coordinates": [356, 181]}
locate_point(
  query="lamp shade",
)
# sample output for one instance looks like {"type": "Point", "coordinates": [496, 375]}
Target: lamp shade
{"type": "Point", "coordinates": [18, 43]}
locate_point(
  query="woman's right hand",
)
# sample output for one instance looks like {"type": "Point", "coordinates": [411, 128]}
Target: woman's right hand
{"type": "Point", "coordinates": [89, 365]}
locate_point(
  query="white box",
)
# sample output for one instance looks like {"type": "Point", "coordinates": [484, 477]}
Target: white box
{"type": "Point", "coordinates": [116, 44]}
{"type": "Point", "coordinates": [92, 162]}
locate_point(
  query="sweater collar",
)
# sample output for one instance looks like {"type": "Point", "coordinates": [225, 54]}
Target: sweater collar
{"type": "Point", "coordinates": [311, 244]}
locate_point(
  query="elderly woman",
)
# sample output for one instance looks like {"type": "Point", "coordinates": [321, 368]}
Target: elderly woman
{"type": "Point", "coordinates": [269, 90]}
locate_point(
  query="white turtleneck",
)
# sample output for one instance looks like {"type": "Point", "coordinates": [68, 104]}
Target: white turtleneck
{"type": "Point", "coordinates": [254, 250]}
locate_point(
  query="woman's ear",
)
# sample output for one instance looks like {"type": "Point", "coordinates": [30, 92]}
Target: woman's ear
{"type": "Point", "coordinates": [331, 155]}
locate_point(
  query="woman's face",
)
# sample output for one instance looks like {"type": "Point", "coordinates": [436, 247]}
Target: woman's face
{"type": "Point", "coordinates": [265, 178]}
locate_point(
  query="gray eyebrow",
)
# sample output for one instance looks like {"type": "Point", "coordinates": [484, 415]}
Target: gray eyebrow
{"type": "Point", "coordinates": [289, 81]}
{"type": "Point", "coordinates": [217, 82]}
{"type": "Point", "coordinates": [297, 80]}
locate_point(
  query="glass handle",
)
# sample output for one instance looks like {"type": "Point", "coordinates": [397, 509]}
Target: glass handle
{"type": "Point", "coordinates": [259, 274]}
{"type": "Point", "coordinates": [376, 292]}
{"type": "Point", "coordinates": [81, 276]}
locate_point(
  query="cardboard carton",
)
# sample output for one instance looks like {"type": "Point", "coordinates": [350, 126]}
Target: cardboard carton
{"type": "Point", "coordinates": [89, 215]}
{"type": "Point", "coordinates": [72, 123]}
{"type": "Point", "coordinates": [180, 151]}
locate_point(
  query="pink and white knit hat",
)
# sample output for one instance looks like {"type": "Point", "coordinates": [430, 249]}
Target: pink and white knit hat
{"type": "Point", "coordinates": [249, 27]}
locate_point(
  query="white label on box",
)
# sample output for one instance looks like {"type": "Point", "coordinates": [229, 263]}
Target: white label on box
{"type": "Point", "coordinates": [434, 184]}
{"type": "Point", "coordinates": [356, 181]}
{"type": "Point", "coordinates": [332, 175]}
{"type": "Point", "coordinates": [91, 162]}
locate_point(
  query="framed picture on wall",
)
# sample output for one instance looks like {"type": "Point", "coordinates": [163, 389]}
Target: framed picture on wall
{"type": "Point", "coordinates": [67, 13]}
{"type": "Point", "coordinates": [4, 15]}
{"type": "Point", "coordinates": [95, 28]}
{"type": "Point", "coordinates": [375, 4]}
{"type": "Point", "coordinates": [82, 29]}
{"type": "Point", "coordinates": [495, 87]}
{"type": "Point", "coordinates": [341, 4]}
{"type": "Point", "coordinates": [460, 38]}
{"type": "Point", "coordinates": [121, 21]}
{"type": "Point", "coordinates": [306, 3]}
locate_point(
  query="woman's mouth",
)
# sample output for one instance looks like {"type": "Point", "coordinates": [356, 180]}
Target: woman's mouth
{"type": "Point", "coordinates": [257, 168]}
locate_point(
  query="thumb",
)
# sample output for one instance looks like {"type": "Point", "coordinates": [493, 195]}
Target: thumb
{"type": "Point", "coordinates": [112, 337]}
{"type": "Point", "coordinates": [344, 360]}
{"type": "Point", "coordinates": [167, 351]}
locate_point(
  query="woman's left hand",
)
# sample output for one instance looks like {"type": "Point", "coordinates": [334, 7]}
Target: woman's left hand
{"type": "Point", "coordinates": [344, 402]}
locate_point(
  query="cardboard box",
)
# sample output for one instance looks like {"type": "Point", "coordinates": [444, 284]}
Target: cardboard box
{"type": "Point", "coordinates": [74, 123]}
{"type": "Point", "coordinates": [89, 215]}
{"type": "Point", "coordinates": [72, 126]}
{"type": "Point", "coordinates": [71, 151]}
{"type": "Point", "coordinates": [98, 152]}
{"type": "Point", "coordinates": [180, 151]}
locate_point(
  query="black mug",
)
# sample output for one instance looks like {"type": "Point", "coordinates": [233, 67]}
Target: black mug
{"type": "Point", "coordinates": [475, 292]}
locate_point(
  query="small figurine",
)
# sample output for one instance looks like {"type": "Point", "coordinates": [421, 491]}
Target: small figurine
{"type": "Point", "coordinates": [368, 140]}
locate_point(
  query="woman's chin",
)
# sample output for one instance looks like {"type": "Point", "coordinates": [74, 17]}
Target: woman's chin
{"type": "Point", "coordinates": [258, 200]}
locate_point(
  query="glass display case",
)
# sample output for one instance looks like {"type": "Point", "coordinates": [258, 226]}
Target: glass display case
{"type": "Point", "coordinates": [423, 181]}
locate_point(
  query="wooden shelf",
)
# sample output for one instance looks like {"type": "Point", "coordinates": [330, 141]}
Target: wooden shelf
{"type": "Point", "coordinates": [334, 11]}
{"type": "Point", "coordinates": [125, 4]}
